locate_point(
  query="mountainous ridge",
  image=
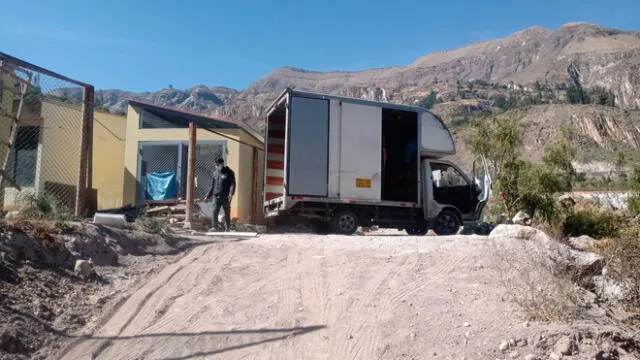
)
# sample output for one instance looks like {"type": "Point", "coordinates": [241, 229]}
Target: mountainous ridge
{"type": "Point", "coordinates": [534, 66]}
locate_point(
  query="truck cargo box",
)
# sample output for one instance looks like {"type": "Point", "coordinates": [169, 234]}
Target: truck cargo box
{"type": "Point", "coordinates": [332, 148]}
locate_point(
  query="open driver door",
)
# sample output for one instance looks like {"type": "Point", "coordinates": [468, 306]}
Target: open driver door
{"type": "Point", "coordinates": [482, 180]}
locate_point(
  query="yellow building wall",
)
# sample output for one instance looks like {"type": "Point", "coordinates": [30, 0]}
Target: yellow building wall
{"type": "Point", "coordinates": [239, 159]}
{"type": "Point", "coordinates": [59, 153]}
{"type": "Point", "coordinates": [109, 134]}
{"type": "Point", "coordinates": [61, 134]}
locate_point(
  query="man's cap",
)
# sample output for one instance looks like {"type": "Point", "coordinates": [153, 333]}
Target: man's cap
{"type": "Point", "coordinates": [219, 160]}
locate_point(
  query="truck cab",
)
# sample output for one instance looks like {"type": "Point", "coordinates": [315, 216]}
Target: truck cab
{"type": "Point", "coordinates": [452, 198]}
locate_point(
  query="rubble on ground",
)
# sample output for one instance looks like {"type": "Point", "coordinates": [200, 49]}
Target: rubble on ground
{"type": "Point", "coordinates": [580, 344]}
{"type": "Point", "coordinates": [54, 279]}
{"type": "Point", "coordinates": [174, 212]}
{"type": "Point", "coordinates": [522, 218]}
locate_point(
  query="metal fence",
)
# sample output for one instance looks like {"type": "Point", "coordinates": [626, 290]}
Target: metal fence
{"type": "Point", "coordinates": [45, 141]}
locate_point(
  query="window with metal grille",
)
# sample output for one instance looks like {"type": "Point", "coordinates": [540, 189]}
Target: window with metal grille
{"type": "Point", "coordinates": [25, 156]}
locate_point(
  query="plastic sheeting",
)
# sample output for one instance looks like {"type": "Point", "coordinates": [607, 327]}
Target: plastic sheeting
{"type": "Point", "coordinates": [161, 186]}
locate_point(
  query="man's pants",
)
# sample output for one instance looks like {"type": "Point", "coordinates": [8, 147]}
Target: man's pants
{"type": "Point", "coordinates": [224, 204]}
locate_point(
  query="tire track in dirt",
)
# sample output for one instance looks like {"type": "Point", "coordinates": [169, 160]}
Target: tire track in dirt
{"type": "Point", "coordinates": [367, 347]}
{"type": "Point", "coordinates": [107, 343]}
{"type": "Point", "coordinates": [137, 301]}
{"type": "Point", "coordinates": [368, 331]}
{"type": "Point", "coordinates": [354, 308]}
{"type": "Point", "coordinates": [287, 295]}
{"type": "Point", "coordinates": [205, 277]}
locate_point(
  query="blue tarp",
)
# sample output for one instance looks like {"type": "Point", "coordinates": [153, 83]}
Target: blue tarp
{"type": "Point", "coordinates": [161, 186]}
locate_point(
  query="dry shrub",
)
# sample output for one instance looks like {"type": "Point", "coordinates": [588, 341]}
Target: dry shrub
{"type": "Point", "coordinates": [151, 225]}
{"type": "Point", "coordinates": [624, 259]}
{"type": "Point", "coordinates": [541, 288]}
{"type": "Point", "coordinates": [553, 301]}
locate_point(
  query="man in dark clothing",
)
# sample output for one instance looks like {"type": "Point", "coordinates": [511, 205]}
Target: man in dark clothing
{"type": "Point", "coordinates": [223, 187]}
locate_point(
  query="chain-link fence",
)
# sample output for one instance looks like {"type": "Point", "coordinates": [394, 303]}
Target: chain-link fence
{"type": "Point", "coordinates": [45, 141]}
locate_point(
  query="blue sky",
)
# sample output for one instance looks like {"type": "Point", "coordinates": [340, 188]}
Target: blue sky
{"type": "Point", "coordinates": [146, 45]}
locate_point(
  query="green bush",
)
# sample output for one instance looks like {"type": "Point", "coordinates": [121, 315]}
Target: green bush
{"type": "Point", "coordinates": [634, 198]}
{"type": "Point", "coordinates": [151, 225]}
{"type": "Point", "coordinates": [595, 223]}
{"type": "Point", "coordinates": [520, 184]}
{"type": "Point", "coordinates": [429, 101]}
{"type": "Point", "coordinates": [43, 206]}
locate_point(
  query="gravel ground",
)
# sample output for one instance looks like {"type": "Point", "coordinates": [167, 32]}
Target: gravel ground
{"type": "Point", "coordinates": [384, 295]}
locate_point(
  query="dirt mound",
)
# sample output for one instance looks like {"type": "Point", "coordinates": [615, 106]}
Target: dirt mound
{"type": "Point", "coordinates": [42, 301]}
{"type": "Point", "coordinates": [34, 243]}
{"type": "Point", "coordinates": [381, 295]}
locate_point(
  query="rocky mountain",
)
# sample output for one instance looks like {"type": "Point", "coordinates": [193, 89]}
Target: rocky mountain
{"type": "Point", "coordinates": [537, 70]}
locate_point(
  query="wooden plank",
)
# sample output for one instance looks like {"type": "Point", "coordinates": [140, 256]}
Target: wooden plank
{"type": "Point", "coordinates": [191, 171]}
{"type": "Point", "coordinates": [233, 234]}
{"type": "Point", "coordinates": [158, 209]}
{"type": "Point", "coordinates": [87, 119]}
{"type": "Point", "coordinates": [162, 202]}
{"type": "Point", "coordinates": [254, 190]}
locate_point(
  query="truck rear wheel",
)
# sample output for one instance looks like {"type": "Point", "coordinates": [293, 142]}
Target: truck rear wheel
{"type": "Point", "coordinates": [344, 222]}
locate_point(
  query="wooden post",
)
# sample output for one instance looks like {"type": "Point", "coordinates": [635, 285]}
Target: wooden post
{"type": "Point", "coordinates": [85, 151]}
{"type": "Point", "coordinates": [191, 174]}
{"type": "Point", "coordinates": [254, 195]}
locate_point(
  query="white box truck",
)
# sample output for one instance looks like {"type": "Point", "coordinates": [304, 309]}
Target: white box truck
{"type": "Point", "coordinates": [343, 162]}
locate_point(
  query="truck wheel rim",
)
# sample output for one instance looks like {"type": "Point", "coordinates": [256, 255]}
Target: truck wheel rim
{"type": "Point", "coordinates": [346, 222]}
{"type": "Point", "coordinates": [447, 223]}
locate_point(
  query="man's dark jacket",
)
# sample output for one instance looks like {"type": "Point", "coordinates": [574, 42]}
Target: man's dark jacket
{"type": "Point", "coordinates": [223, 183]}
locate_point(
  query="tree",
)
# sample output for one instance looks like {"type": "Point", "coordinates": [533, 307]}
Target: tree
{"type": "Point", "coordinates": [427, 102]}
{"type": "Point", "coordinates": [170, 87]}
{"type": "Point", "coordinates": [537, 86]}
{"type": "Point", "coordinates": [601, 96]}
{"type": "Point", "coordinates": [499, 139]}
{"type": "Point", "coordinates": [620, 164]}
{"type": "Point", "coordinates": [575, 92]}
{"type": "Point", "coordinates": [633, 202]}
{"type": "Point", "coordinates": [522, 185]}
{"type": "Point", "coordinates": [500, 101]}
{"type": "Point", "coordinates": [576, 95]}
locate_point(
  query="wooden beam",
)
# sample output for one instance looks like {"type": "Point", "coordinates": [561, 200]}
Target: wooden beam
{"type": "Point", "coordinates": [21, 63]}
{"type": "Point", "coordinates": [85, 150]}
{"type": "Point", "coordinates": [254, 192]}
{"type": "Point", "coordinates": [191, 173]}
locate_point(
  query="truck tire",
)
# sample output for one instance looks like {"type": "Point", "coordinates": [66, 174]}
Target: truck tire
{"type": "Point", "coordinates": [447, 223]}
{"type": "Point", "coordinates": [344, 222]}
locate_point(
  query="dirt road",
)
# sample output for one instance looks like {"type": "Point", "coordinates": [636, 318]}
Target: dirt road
{"type": "Point", "coordinates": [295, 296]}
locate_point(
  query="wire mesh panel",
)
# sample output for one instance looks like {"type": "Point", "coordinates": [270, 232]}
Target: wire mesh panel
{"type": "Point", "coordinates": [206, 155]}
{"type": "Point", "coordinates": [45, 138]}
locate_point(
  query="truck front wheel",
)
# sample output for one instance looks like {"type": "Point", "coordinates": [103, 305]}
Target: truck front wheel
{"type": "Point", "coordinates": [345, 222]}
{"type": "Point", "coordinates": [446, 223]}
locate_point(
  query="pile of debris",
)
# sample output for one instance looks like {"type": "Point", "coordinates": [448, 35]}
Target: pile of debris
{"type": "Point", "coordinates": [174, 212]}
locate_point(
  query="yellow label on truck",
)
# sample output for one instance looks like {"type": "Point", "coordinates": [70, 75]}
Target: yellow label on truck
{"type": "Point", "coordinates": [363, 183]}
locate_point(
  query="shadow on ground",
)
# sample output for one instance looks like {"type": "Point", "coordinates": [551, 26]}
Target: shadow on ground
{"type": "Point", "coordinates": [204, 343]}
